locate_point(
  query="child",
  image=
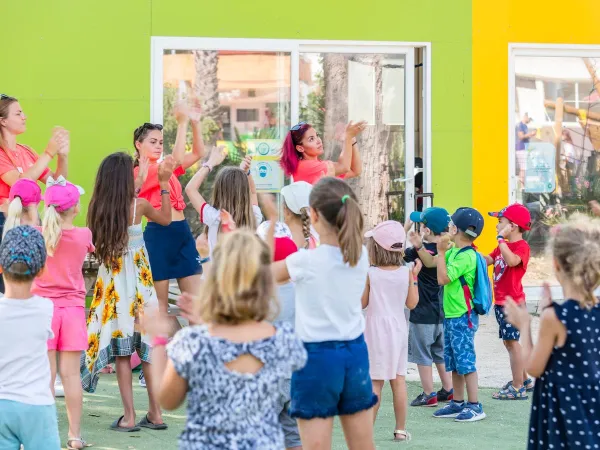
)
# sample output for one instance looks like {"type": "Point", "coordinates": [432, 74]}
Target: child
{"type": "Point", "coordinates": [230, 367]}
{"type": "Point", "coordinates": [329, 283]}
{"type": "Point", "coordinates": [124, 286]}
{"type": "Point", "coordinates": [303, 147]}
{"type": "Point", "coordinates": [426, 329]}
{"type": "Point", "coordinates": [566, 358]}
{"type": "Point", "coordinates": [24, 197]}
{"type": "Point", "coordinates": [62, 282]}
{"type": "Point", "coordinates": [510, 260]}
{"type": "Point", "coordinates": [460, 325]}
{"type": "Point", "coordinates": [27, 409]}
{"type": "Point", "coordinates": [390, 287]}
{"type": "Point", "coordinates": [233, 192]}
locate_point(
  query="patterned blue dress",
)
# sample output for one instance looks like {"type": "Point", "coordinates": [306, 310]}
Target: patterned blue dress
{"type": "Point", "coordinates": [227, 409]}
{"type": "Point", "coordinates": [565, 412]}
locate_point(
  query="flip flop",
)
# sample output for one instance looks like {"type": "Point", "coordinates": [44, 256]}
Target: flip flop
{"type": "Point", "coordinates": [116, 427]}
{"type": "Point", "coordinates": [145, 422]}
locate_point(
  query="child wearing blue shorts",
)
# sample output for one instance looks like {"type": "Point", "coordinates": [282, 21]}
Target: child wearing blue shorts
{"type": "Point", "coordinates": [460, 324]}
{"type": "Point", "coordinates": [329, 282]}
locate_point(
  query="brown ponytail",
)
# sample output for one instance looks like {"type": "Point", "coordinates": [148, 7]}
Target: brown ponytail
{"type": "Point", "coordinates": [336, 202]}
{"type": "Point", "coordinates": [305, 218]}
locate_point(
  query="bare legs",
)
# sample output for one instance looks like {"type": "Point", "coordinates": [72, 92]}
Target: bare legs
{"type": "Point", "coordinates": [516, 363]}
{"type": "Point", "coordinates": [426, 376]}
{"type": "Point", "coordinates": [162, 292]}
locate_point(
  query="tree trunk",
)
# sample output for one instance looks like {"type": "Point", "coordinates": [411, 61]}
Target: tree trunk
{"type": "Point", "coordinates": [206, 86]}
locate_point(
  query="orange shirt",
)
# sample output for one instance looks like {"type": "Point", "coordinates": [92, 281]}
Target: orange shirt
{"type": "Point", "coordinates": [151, 189]}
{"type": "Point", "coordinates": [312, 170]}
{"type": "Point", "coordinates": [21, 160]}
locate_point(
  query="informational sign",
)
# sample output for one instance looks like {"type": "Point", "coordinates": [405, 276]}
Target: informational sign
{"type": "Point", "coordinates": [540, 168]}
{"type": "Point", "coordinates": [266, 171]}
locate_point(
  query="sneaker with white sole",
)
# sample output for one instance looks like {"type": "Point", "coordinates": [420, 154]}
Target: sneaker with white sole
{"type": "Point", "coordinates": [471, 413]}
{"type": "Point", "coordinates": [450, 411]}
{"type": "Point", "coordinates": [59, 391]}
{"type": "Point", "coordinates": [142, 379]}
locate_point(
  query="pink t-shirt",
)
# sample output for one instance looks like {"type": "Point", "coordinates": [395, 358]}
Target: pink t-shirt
{"type": "Point", "coordinates": [312, 170]}
{"type": "Point", "coordinates": [20, 160]}
{"type": "Point", "coordinates": [62, 278]}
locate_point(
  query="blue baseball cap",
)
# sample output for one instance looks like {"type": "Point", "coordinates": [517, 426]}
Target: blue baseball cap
{"type": "Point", "coordinates": [436, 219]}
{"type": "Point", "coordinates": [468, 220]}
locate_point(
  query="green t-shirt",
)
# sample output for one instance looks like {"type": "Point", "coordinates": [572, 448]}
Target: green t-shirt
{"type": "Point", "coordinates": [463, 264]}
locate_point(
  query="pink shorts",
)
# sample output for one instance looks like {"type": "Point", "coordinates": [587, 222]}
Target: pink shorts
{"type": "Point", "coordinates": [69, 328]}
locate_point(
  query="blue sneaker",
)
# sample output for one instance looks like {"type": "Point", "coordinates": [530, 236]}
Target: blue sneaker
{"type": "Point", "coordinates": [471, 413]}
{"type": "Point", "coordinates": [450, 411]}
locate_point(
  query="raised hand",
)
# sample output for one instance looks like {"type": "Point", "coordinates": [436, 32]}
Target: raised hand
{"type": "Point", "coordinates": [217, 156]}
{"type": "Point", "coordinates": [64, 142]}
{"type": "Point", "coordinates": [443, 244]}
{"type": "Point", "coordinates": [165, 169]}
{"type": "Point", "coordinates": [143, 165]}
{"type": "Point", "coordinates": [354, 129]}
{"type": "Point", "coordinates": [269, 207]}
{"type": "Point", "coordinates": [58, 142]}
{"type": "Point", "coordinates": [181, 112]}
{"type": "Point", "coordinates": [417, 268]}
{"type": "Point", "coordinates": [246, 163]}
{"type": "Point", "coordinates": [186, 305]}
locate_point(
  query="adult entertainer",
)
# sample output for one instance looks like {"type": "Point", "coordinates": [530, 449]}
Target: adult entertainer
{"type": "Point", "coordinates": [19, 161]}
{"type": "Point", "coordinates": [303, 147]}
{"type": "Point", "coordinates": [172, 248]}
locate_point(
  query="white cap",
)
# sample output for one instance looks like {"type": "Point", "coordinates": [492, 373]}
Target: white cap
{"type": "Point", "coordinates": [296, 196]}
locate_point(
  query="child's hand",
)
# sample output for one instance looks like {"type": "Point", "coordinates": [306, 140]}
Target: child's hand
{"type": "Point", "coordinates": [246, 162]}
{"type": "Point", "coordinates": [181, 112]}
{"type": "Point", "coordinates": [217, 156]}
{"type": "Point", "coordinates": [505, 231]}
{"type": "Point", "coordinates": [415, 239]}
{"type": "Point", "coordinates": [165, 169]}
{"type": "Point", "coordinates": [354, 129]}
{"type": "Point", "coordinates": [202, 245]}
{"type": "Point", "coordinates": [595, 207]}
{"type": "Point", "coordinates": [269, 207]}
{"type": "Point", "coordinates": [417, 269]}
{"type": "Point", "coordinates": [443, 243]}
{"type": "Point", "coordinates": [227, 222]}
{"type": "Point", "coordinates": [517, 315]}
{"type": "Point", "coordinates": [546, 299]}
{"type": "Point", "coordinates": [186, 305]}
{"type": "Point", "coordinates": [155, 323]}
{"type": "Point", "coordinates": [143, 165]}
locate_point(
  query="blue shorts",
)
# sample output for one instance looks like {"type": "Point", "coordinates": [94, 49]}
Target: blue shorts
{"type": "Point", "coordinates": [172, 251]}
{"type": "Point", "coordinates": [334, 382]}
{"type": "Point", "coordinates": [459, 344]}
{"type": "Point", "coordinates": [33, 426]}
{"type": "Point", "coordinates": [506, 332]}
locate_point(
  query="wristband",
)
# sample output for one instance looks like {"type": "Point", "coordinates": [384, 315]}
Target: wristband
{"type": "Point", "coordinates": [164, 191]}
{"type": "Point", "coordinates": [160, 341]}
{"type": "Point", "coordinates": [249, 172]}
{"type": "Point", "coordinates": [49, 154]}
{"type": "Point", "coordinates": [415, 283]}
{"type": "Point", "coordinates": [137, 191]}
{"type": "Point", "coordinates": [205, 260]}
{"type": "Point", "coordinates": [501, 239]}
{"type": "Point", "coordinates": [208, 166]}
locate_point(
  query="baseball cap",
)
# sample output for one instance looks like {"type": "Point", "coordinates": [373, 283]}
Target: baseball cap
{"type": "Point", "coordinates": [61, 194]}
{"type": "Point", "coordinates": [434, 218]}
{"type": "Point", "coordinates": [390, 235]}
{"type": "Point", "coordinates": [23, 251]}
{"type": "Point", "coordinates": [296, 196]}
{"type": "Point", "coordinates": [517, 214]}
{"type": "Point", "coordinates": [281, 230]}
{"type": "Point", "coordinates": [284, 247]}
{"type": "Point", "coordinates": [27, 190]}
{"type": "Point", "coordinates": [466, 218]}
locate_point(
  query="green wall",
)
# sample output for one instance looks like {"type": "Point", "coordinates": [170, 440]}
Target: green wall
{"type": "Point", "coordinates": [85, 65]}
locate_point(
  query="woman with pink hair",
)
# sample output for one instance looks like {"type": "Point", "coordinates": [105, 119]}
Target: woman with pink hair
{"type": "Point", "coordinates": [303, 147]}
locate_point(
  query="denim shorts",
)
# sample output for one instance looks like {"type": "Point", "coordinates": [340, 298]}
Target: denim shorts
{"type": "Point", "coordinates": [506, 331]}
{"type": "Point", "coordinates": [334, 382]}
{"type": "Point", "coordinates": [459, 344]}
{"type": "Point", "coordinates": [33, 426]}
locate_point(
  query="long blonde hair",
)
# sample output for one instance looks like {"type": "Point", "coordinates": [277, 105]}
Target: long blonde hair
{"type": "Point", "coordinates": [14, 215]}
{"type": "Point", "coordinates": [239, 285]}
{"type": "Point", "coordinates": [52, 228]}
{"type": "Point", "coordinates": [575, 245]}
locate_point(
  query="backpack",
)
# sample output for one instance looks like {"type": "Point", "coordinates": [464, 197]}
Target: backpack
{"type": "Point", "coordinates": [482, 303]}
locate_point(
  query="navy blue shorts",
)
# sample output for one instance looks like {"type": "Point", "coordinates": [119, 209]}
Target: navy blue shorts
{"type": "Point", "coordinates": [506, 331]}
{"type": "Point", "coordinates": [334, 382]}
{"type": "Point", "coordinates": [172, 251]}
{"type": "Point", "coordinates": [459, 344]}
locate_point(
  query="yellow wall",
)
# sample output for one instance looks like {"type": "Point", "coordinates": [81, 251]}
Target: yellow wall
{"type": "Point", "coordinates": [496, 24]}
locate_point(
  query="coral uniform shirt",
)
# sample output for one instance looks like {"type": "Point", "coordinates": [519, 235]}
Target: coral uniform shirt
{"type": "Point", "coordinates": [21, 161]}
{"type": "Point", "coordinates": [151, 188]}
{"type": "Point", "coordinates": [312, 170]}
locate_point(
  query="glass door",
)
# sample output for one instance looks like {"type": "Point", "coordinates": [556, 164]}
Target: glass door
{"type": "Point", "coordinates": [372, 84]}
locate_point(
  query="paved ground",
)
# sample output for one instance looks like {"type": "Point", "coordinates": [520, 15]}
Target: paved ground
{"type": "Point", "coordinates": [505, 427]}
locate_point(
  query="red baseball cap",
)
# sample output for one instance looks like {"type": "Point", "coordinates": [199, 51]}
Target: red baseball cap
{"type": "Point", "coordinates": [27, 190]}
{"type": "Point", "coordinates": [284, 247]}
{"type": "Point", "coordinates": [517, 214]}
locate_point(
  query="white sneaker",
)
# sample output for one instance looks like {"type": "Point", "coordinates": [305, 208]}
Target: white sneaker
{"type": "Point", "coordinates": [59, 391]}
{"type": "Point", "coordinates": [142, 379]}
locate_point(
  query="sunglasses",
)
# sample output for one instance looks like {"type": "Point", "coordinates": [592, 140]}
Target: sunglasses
{"type": "Point", "coordinates": [297, 126]}
{"type": "Point", "coordinates": [6, 97]}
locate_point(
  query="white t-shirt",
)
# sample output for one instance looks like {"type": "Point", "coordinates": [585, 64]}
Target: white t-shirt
{"type": "Point", "coordinates": [211, 217]}
{"type": "Point", "coordinates": [328, 294]}
{"type": "Point", "coordinates": [25, 327]}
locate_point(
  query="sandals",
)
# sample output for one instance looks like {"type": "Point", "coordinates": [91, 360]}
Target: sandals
{"type": "Point", "coordinates": [510, 393]}
{"type": "Point", "coordinates": [116, 427]}
{"type": "Point", "coordinates": [145, 422]}
{"type": "Point", "coordinates": [402, 436]}
{"type": "Point", "coordinates": [81, 441]}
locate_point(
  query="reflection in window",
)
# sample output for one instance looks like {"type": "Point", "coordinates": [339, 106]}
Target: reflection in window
{"type": "Point", "coordinates": [557, 142]}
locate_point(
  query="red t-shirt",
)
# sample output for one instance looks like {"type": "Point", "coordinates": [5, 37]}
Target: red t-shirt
{"type": "Point", "coordinates": [20, 160]}
{"type": "Point", "coordinates": [151, 189]}
{"type": "Point", "coordinates": [508, 281]}
{"type": "Point", "coordinates": [312, 170]}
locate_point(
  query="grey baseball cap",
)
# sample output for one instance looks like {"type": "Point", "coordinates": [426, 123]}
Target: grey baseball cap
{"type": "Point", "coordinates": [23, 251]}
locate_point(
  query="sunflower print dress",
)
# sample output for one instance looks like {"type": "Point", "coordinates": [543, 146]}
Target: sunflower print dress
{"type": "Point", "coordinates": [121, 293]}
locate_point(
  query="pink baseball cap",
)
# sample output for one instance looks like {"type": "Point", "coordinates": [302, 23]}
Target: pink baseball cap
{"type": "Point", "coordinates": [390, 235]}
{"type": "Point", "coordinates": [27, 190]}
{"type": "Point", "coordinates": [61, 194]}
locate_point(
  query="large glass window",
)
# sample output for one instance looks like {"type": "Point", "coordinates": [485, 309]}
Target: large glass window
{"type": "Point", "coordinates": [557, 143]}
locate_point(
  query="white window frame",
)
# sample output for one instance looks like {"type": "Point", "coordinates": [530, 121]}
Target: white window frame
{"type": "Point", "coordinates": [549, 50]}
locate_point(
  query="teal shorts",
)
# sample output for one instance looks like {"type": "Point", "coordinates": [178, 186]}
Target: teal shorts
{"type": "Point", "coordinates": [33, 426]}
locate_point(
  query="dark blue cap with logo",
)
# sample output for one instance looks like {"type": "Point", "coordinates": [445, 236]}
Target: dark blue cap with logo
{"type": "Point", "coordinates": [436, 219]}
{"type": "Point", "coordinates": [468, 220]}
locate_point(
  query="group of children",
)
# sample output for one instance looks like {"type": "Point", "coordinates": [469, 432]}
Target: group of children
{"type": "Point", "coordinates": [262, 374]}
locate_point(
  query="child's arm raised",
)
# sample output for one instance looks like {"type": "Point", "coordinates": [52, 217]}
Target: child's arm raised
{"type": "Point", "coordinates": [442, 269]}
{"type": "Point", "coordinates": [217, 156]}
{"type": "Point", "coordinates": [198, 149]}
{"type": "Point", "coordinates": [162, 216]}
{"type": "Point", "coordinates": [245, 166]}
{"type": "Point", "coordinates": [413, 290]}
{"type": "Point", "coordinates": [181, 115]}
{"type": "Point", "coordinates": [426, 258]}
{"type": "Point", "coordinates": [511, 258]}
{"type": "Point", "coordinates": [366, 292]}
